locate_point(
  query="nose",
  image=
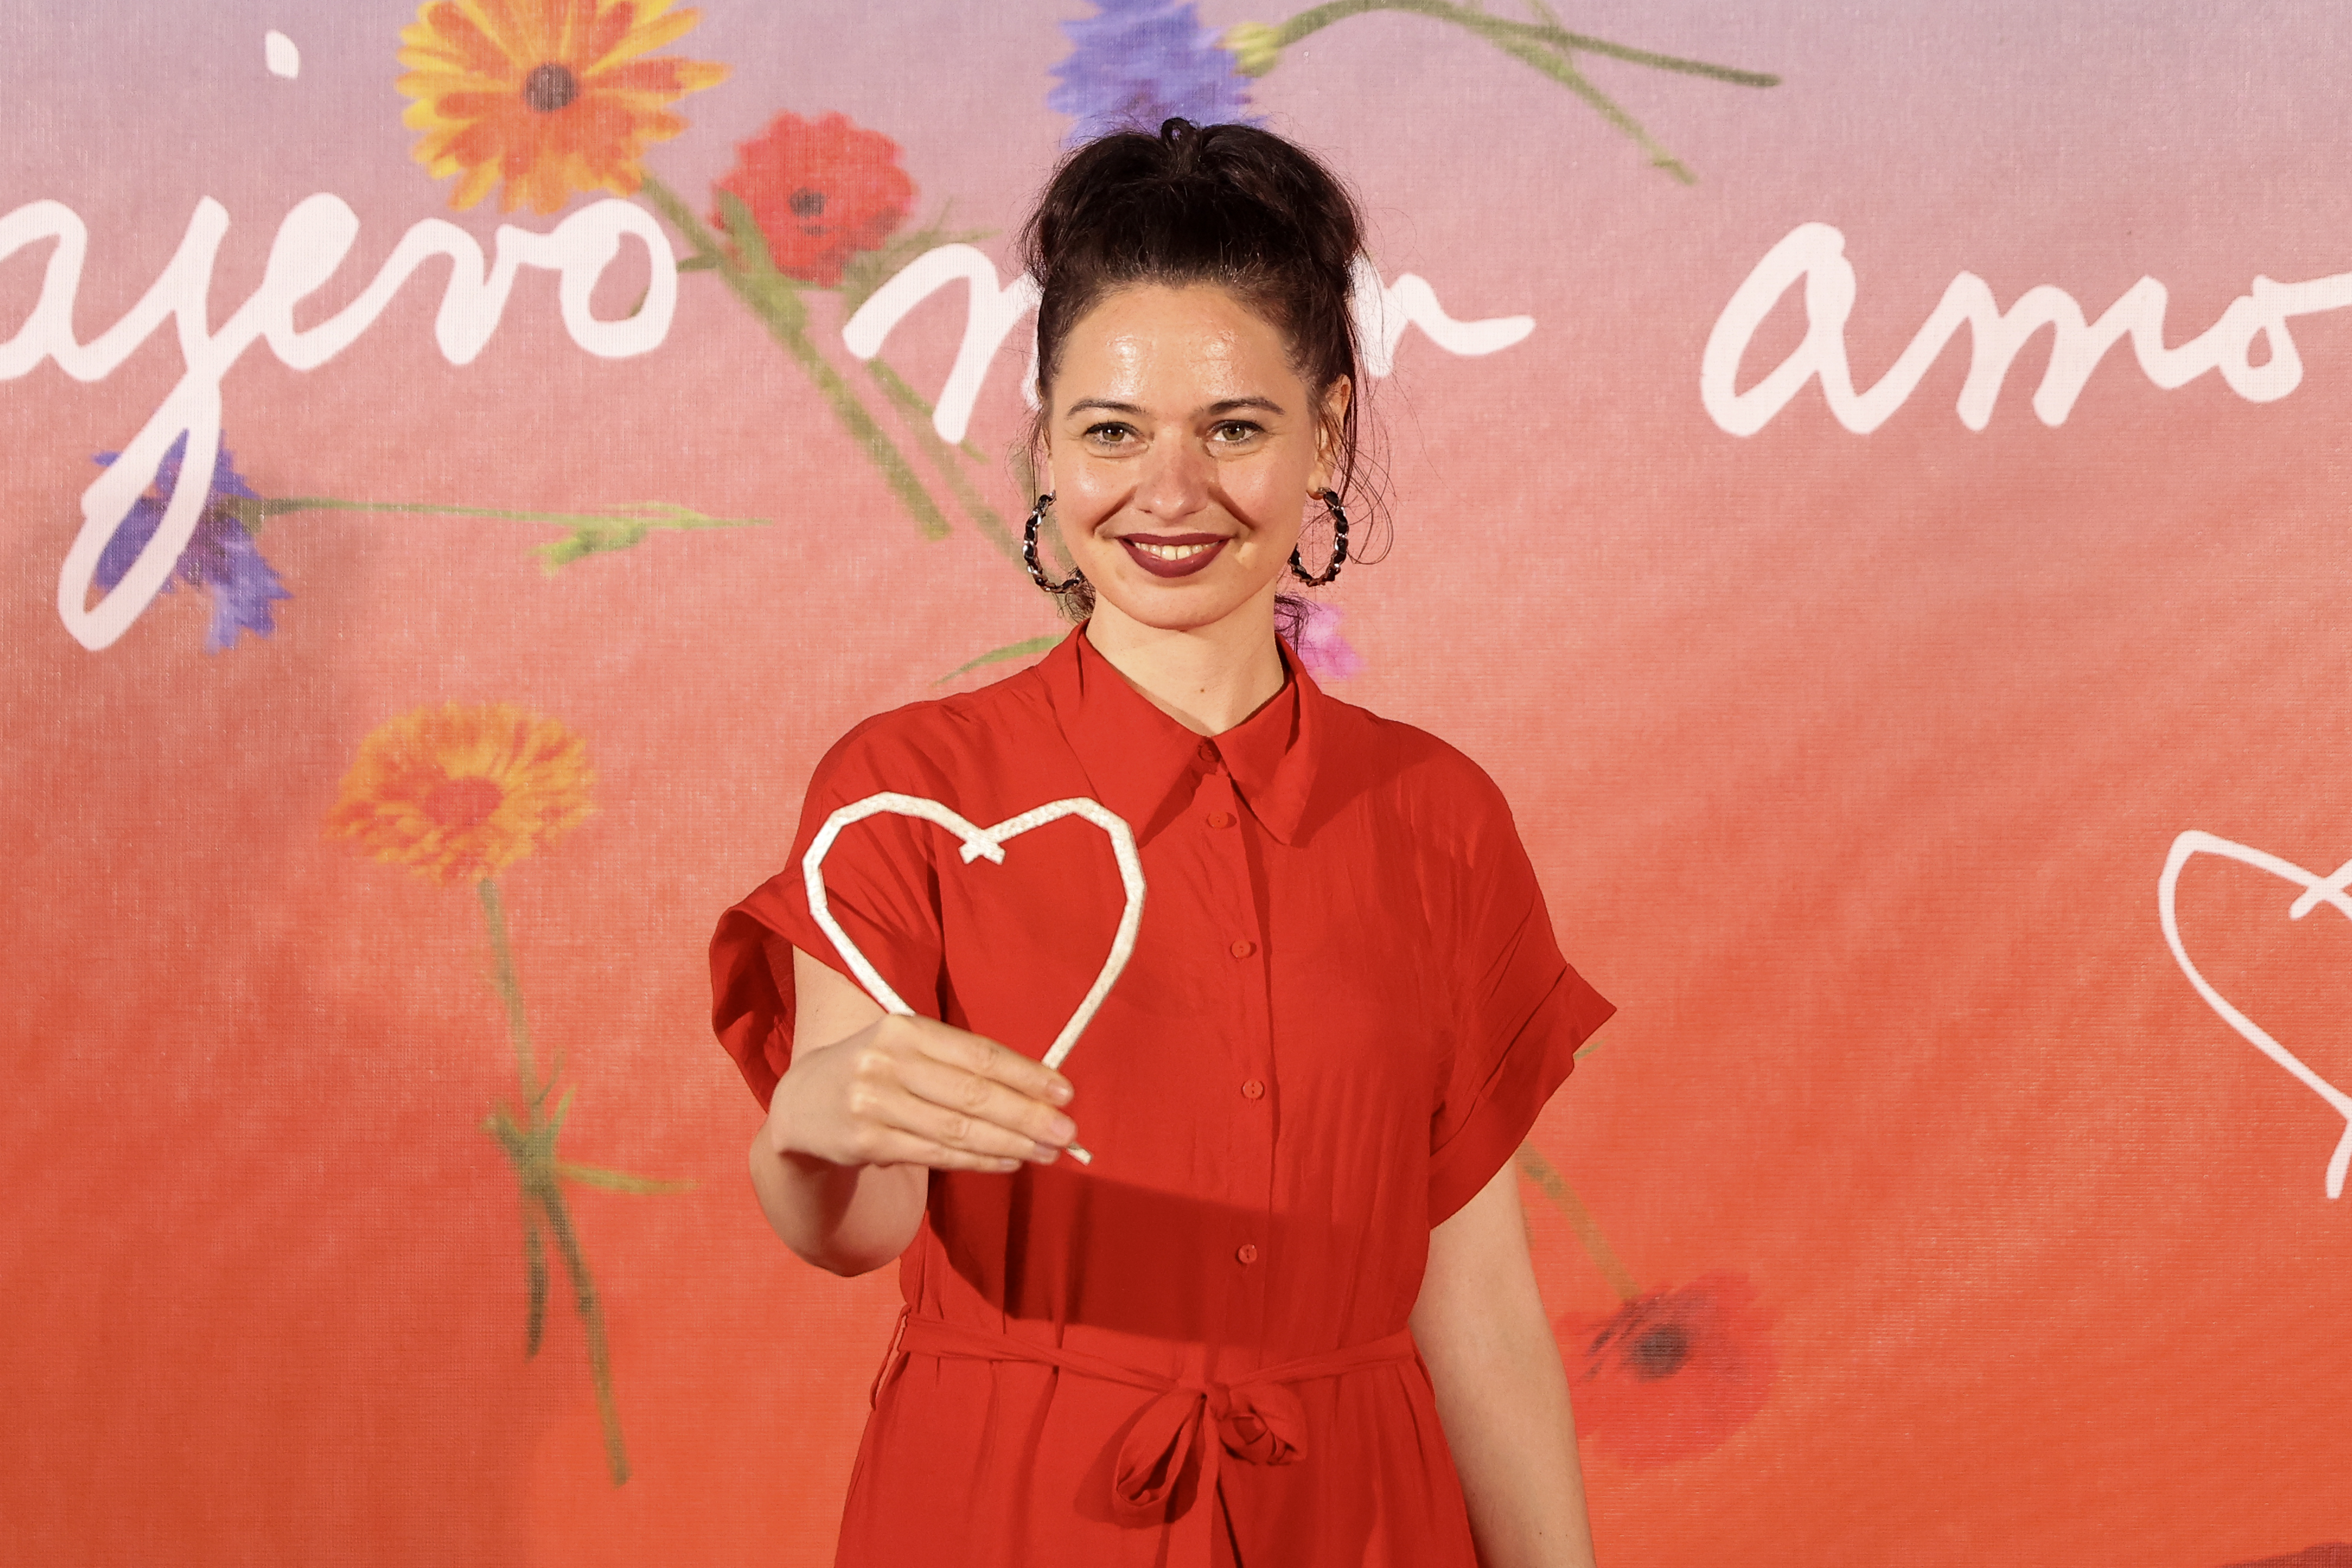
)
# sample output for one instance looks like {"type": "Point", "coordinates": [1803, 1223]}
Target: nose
{"type": "Point", "coordinates": [1175, 481]}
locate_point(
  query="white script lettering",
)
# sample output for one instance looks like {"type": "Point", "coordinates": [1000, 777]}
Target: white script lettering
{"type": "Point", "coordinates": [1815, 253]}
{"type": "Point", "coordinates": [1382, 312]}
{"type": "Point", "coordinates": [310, 244]}
{"type": "Point", "coordinates": [995, 312]}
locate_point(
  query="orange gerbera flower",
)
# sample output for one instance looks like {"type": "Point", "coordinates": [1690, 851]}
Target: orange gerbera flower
{"type": "Point", "coordinates": [551, 96]}
{"type": "Point", "coordinates": [457, 793]}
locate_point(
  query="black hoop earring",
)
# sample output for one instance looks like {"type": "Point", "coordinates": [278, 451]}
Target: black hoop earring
{"type": "Point", "coordinates": [1338, 545]}
{"type": "Point", "coordinates": [1076, 580]}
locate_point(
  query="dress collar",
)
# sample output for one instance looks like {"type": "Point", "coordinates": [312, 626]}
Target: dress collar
{"type": "Point", "coordinates": [1134, 755]}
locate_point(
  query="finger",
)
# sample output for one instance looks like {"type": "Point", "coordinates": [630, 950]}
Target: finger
{"type": "Point", "coordinates": [958, 1129]}
{"type": "Point", "coordinates": [985, 1100]}
{"type": "Point", "coordinates": [978, 1053]}
{"type": "Point", "coordinates": [894, 1105]}
{"type": "Point", "coordinates": [892, 1148]}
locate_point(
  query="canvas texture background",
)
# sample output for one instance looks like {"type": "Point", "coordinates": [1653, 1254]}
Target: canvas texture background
{"type": "Point", "coordinates": [1919, 1208]}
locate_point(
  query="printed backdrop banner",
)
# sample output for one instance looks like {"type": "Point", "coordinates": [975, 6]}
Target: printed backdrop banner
{"type": "Point", "coordinates": [1866, 481]}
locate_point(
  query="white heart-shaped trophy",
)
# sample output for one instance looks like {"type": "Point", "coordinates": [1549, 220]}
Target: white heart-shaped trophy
{"type": "Point", "coordinates": [2317, 890]}
{"type": "Point", "coordinates": [986, 843]}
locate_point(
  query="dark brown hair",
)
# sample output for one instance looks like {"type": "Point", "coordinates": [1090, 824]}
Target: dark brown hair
{"type": "Point", "coordinates": [1231, 205]}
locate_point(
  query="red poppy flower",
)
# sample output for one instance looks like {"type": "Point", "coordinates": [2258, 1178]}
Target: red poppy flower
{"type": "Point", "coordinates": [2327, 1555]}
{"type": "Point", "coordinates": [821, 191]}
{"type": "Point", "coordinates": [1673, 1374]}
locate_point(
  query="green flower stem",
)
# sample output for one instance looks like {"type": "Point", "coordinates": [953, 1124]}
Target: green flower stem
{"type": "Point", "coordinates": [1316, 18]}
{"type": "Point", "coordinates": [530, 1144]}
{"type": "Point", "coordinates": [550, 1194]}
{"type": "Point", "coordinates": [908, 400]}
{"type": "Point", "coordinates": [1547, 47]}
{"type": "Point", "coordinates": [652, 514]}
{"type": "Point", "coordinates": [509, 989]}
{"type": "Point", "coordinates": [610, 528]}
{"type": "Point", "coordinates": [534, 1264]}
{"type": "Point", "coordinates": [918, 412]}
{"type": "Point", "coordinates": [771, 297]}
{"type": "Point", "coordinates": [1539, 1170]}
{"type": "Point", "coordinates": [533, 1151]}
{"type": "Point", "coordinates": [1560, 68]}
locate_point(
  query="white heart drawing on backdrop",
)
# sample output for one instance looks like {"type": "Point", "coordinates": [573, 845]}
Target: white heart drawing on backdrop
{"type": "Point", "coordinates": [2317, 890]}
{"type": "Point", "coordinates": [987, 844]}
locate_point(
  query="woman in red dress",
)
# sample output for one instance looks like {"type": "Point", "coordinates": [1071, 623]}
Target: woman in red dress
{"type": "Point", "coordinates": [1285, 1317]}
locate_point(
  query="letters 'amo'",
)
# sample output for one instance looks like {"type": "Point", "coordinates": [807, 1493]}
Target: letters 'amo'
{"type": "Point", "coordinates": [1814, 254]}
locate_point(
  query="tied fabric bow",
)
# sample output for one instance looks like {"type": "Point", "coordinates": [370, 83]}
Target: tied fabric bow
{"type": "Point", "coordinates": [1166, 1471]}
{"type": "Point", "coordinates": [1255, 1420]}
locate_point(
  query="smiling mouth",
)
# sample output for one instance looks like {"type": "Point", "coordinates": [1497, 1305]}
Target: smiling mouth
{"type": "Point", "coordinates": [1180, 556]}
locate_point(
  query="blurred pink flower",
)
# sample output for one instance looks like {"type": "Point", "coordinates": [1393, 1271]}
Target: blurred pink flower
{"type": "Point", "coordinates": [1313, 628]}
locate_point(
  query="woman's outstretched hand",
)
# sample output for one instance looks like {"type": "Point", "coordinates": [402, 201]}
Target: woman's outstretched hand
{"type": "Point", "coordinates": [872, 1104]}
{"type": "Point", "coordinates": [913, 1090]}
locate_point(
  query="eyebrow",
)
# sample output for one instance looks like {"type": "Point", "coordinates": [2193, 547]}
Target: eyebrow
{"type": "Point", "coordinates": [1225, 406]}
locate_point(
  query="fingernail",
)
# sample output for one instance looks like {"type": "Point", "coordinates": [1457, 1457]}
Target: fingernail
{"type": "Point", "coordinates": [1046, 1153]}
{"type": "Point", "coordinates": [1008, 1164]}
{"type": "Point", "coordinates": [1064, 1130]}
{"type": "Point", "coordinates": [1059, 1092]}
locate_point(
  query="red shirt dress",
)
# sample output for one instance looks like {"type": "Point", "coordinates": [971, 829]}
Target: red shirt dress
{"type": "Point", "coordinates": [1344, 1010]}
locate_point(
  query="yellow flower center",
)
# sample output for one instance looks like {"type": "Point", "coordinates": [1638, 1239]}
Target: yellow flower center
{"type": "Point", "coordinates": [461, 805]}
{"type": "Point", "coordinates": [549, 87]}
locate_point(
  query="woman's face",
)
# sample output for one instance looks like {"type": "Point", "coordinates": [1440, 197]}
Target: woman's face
{"type": "Point", "coordinates": [1183, 450]}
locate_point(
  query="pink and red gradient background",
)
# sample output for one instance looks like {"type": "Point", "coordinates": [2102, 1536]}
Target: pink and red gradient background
{"type": "Point", "coordinates": [1850, 764]}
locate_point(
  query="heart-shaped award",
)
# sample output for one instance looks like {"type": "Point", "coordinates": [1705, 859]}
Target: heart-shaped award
{"type": "Point", "coordinates": [986, 843]}
{"type": "Point", "coordinates": [2317, 890]}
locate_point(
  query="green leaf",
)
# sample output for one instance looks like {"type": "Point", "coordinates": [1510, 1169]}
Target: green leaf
{"type": "Point", "coordinates": [587, 540]}
{"type": "Point", "coordinates": [997, 655]}
{"type": "Point", "coordinates": [618, 1181]}
{"type": "Point", "coordinates": [623, 527]}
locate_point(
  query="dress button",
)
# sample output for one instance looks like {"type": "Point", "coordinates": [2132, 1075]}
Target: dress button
{"type": "Point", "coordinates": [1253, 1090]}
{"type": "Point", "coordinates": [1248, 1253]}
{"type": "Point", "coordinates": [1208, 751]}
{"type": "Point", "coordinates": [1221, 819]}
{"type": "Point", "coordinates": [1245, 947]}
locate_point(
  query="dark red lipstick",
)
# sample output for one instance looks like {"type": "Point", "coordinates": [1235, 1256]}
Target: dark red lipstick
{"type": "Point", "coordinates": [1184, 566]}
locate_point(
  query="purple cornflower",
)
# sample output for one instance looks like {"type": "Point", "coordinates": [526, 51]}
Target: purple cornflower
{"type": "Point", "coordinates": [220, 557]}
{"type": "Point", "coordinates": [1138, 62]}
{"type": "Point", "coordinates": [1313, 628]}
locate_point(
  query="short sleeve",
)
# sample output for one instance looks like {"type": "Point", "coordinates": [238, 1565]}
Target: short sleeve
{"type": "Point", "coordinates": [1520, 1012]}
{"type": "Point", "coordinates": [881, 886]}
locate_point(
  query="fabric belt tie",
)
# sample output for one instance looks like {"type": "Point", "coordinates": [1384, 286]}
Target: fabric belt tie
{"type": "Point", "coordinates": [1256, 1419]}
